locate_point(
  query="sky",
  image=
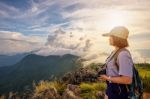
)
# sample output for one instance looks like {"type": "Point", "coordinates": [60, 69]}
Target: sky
{"type": "Point", "coordinates": [73, 26]}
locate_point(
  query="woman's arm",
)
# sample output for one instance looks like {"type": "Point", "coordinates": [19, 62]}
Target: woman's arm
{"type": "Point", "coordinates": [119, 79]}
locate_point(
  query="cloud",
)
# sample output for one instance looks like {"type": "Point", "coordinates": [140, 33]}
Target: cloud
{"type": "Point", "coordinates": [79, 44]}
{"type": "Point", "coordinates": [42, 13]}
{"type": "Point", "coordinates": [15, 42]}
{"type": "Point", "coordinates": [36, 14]}
{"type": "Point", "coordinates": [144, 52]}
{"type": "Point", "coordinates": [73, 26]}
{"type": "Point", "coordinates": [140, 36]}
{"type": "Point", "coordinates": [139, 57]}
{"type": "Point", "coordinates": [7, 10]}
{"type": "Point", "coordinates": [63, 39]}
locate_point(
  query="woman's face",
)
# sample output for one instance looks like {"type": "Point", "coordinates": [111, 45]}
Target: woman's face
{"type": "Point", "coordinates": [110, 40]}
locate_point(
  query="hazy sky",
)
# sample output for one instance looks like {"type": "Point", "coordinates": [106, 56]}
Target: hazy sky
{"type": "Point", "coordinates": [73, 26]}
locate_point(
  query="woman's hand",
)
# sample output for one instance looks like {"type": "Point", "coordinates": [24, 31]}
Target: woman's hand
{"type": "Point", "coordinates": [118, 79]}
{"type": "Point", "coordinates": [103, 77]}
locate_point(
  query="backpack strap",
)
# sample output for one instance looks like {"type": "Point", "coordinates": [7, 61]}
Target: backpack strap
{"type": "Point", "coordinates": [116, 57]}
{"type": "Point", "coordinates": [117, 65]}
{"type": "Point", "coordinates": [104, 65]}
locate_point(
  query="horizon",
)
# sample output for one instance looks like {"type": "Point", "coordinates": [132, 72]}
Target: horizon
{"type": "Point", "coordinates": [48, 27]}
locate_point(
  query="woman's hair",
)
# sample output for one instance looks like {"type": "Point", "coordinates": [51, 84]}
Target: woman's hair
{"type": "Point", "coordinates": [119, 42]}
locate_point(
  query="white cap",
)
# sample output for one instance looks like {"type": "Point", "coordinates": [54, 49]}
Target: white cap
{"type": "Point", "coordinates": [119, 31]}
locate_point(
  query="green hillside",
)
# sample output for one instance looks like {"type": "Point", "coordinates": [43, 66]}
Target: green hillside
{"type": "Point", "coordinates": [33, 67]}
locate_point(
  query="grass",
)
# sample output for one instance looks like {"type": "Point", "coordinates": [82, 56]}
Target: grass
{"type": "Point", "coordinates": [89, 90]}
{"type": "Point", "coordinates": [45, 85]}
{"type": "Point", "coordinates": [144, 71]}
{"type": "Point", "coordinates": [86, 87]}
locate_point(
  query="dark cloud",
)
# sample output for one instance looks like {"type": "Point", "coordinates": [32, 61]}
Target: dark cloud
{"type": "Point", "coordinates": [71, 35]}
{"type": "Point", "coordinates": [59, 31]}
{"type": "Point", "coordinates": [87, 45]}
{"type": "Point", "coordinates": [51, 38]}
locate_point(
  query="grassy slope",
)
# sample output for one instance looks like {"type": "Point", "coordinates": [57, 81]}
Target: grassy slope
{"type": "Point", "coordinates": [144, 71]}
{"type": "Point", "coordinates": [89, 90]}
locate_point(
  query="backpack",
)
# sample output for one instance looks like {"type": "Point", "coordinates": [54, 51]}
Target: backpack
{"type": "Point", "coordinates": [135, 89]}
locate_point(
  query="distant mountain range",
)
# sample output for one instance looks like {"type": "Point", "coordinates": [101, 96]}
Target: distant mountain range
{"type": "Point", "coordinates": [33, 67]}
{"type": "Point", "coordinates": [6, 60]}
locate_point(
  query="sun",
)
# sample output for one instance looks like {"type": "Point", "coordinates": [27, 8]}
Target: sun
{"type": "Point", "coordinates": [116, 18]}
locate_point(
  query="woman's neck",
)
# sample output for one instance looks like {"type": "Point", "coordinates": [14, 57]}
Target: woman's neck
{"type": "Point", "coordinates": [116, 48]}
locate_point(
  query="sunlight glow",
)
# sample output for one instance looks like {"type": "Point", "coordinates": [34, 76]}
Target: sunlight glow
{"type": "Point", "coordinates": [116, 18]}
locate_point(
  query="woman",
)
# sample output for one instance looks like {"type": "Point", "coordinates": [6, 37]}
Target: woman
{"type": "Point", "coordinates": [118, 79]}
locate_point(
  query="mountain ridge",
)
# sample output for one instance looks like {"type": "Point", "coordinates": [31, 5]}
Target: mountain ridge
{"type": "Point", "coordinates": [35, 68]}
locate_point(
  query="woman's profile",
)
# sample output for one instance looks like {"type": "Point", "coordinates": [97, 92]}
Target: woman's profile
{"type": "Point", "coordinates": [117, 79]}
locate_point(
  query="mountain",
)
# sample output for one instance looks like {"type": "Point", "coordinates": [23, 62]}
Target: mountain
{"type": "Point", "coordinates": [35, 68]}
{"type": "Point", "coordinates": [6, 60]}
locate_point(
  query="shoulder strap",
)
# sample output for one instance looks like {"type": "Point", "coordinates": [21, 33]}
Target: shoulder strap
{"type": "Point", "coordinates": [112, 55]}
{"type": "Point", "coordinates": [117, 65]}
{"type": "Point", "coordinates": [106, 59]}
{"type": "Point", "coordinates": [116, 56]}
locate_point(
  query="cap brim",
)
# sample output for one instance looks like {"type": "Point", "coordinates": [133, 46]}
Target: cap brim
{"type": "Point", "coordinates": [106, 34]}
